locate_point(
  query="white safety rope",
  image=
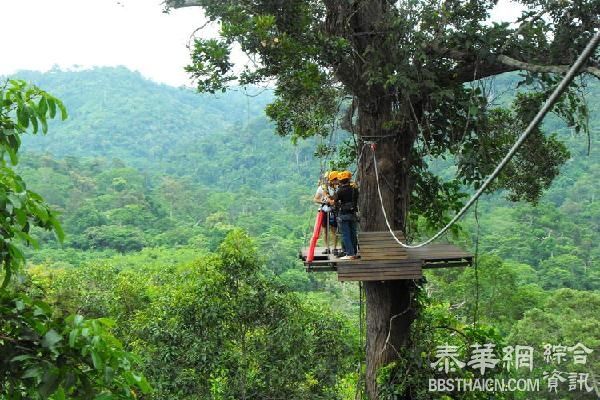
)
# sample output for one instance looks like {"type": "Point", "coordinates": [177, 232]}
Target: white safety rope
{"type": "Point", "coordinates": [562, 86]}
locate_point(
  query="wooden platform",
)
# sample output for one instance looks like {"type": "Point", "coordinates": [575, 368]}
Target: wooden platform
{"type": "Point", "coordinates": [382, 258]}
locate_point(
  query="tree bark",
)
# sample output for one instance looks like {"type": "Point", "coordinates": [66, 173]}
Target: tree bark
{"type": "Point", "coordinates": [389, 307]}
{"type": "Point", "coordinates": [390, 313]}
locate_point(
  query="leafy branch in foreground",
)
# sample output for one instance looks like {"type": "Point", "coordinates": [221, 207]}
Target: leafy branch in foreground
{"type": "Point", "coordinates": [21, 107]}
{"type": "Point", "coordinates": [42, 356]}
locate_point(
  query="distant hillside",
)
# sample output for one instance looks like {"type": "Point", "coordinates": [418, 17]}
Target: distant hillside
{"type": "Point", "coordinates": [215, 139]}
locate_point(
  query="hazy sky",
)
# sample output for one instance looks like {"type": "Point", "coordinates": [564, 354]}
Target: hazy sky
{"type": "Point", "coordinates": [37, 34]}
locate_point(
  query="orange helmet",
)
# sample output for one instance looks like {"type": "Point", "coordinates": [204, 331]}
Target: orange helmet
{"type": "Point", "coordinates": [332, 175]}
{"type": "Point", "coordinates": [344, 175]}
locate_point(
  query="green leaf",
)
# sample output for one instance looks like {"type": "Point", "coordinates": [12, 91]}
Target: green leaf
{"type": "Point", "coordinates": [73, 337]}
{"type": "Point", "coordinates": [44, 123]}
{"type": "Point", "coordinates": [7, 276]}
{"type": "Point", "coordinates": [60, 234]}
{"type": "Point", "coordinates": [49, 383]}
{"type": "Point", "coordinates": [39, 211]}
{"type": "Point", "coordinates": [97, 360]}
{"type": "Point", "coordinates": [51, 338]}
{"type": "Point", "coordinates": [63, 110]}
{"type": "Point", "coordinates": [109, 374]}
{"type": "Point", "coordinates": [42, 106]}
{"type": "Point", "coordinates": [20, 305]}
{"type": "Point", "coordinates": [23, 357]}
{"type": "Point", "coordinates": [41, 308]}
{"type": "Point", "coordinates": [143, 384]}
{"type": "Point", "coordinates": [13, 155]}
{"type": "Point", "coordinates": [59, 394]}
{"type": "Point", "coordinates": [35, 372]}
{"type": "Point", "coordinates": [51, 107]}
{"type": "Point", "coordinates": [16, 254]}
{"type": "Point", "coordinates": [34, 123]}
{"type": "Point", "coordinates": [107, 322]}
{"type": "Point", "coordinates": [78, 319]}
{"type": "Point", "coordinates": [21, 216]}
{"type": "Point", "coordinates": [15, 200]}
{"type": "Point", "coordinates": [27, 239]}
{"type": "Point", "coordinates": [23, 117]}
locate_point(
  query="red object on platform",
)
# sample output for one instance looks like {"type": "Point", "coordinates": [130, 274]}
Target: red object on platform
{"type": "Point", "coordinates": [316, 232]}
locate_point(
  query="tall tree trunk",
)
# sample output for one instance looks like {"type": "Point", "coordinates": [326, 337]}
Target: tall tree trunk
{"type": "Point", "coordinates": [390, 309]}
{"type": "Point", "coordinates": [390, 312]}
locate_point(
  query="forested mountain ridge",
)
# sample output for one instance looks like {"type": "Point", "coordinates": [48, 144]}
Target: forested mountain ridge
{"type": "Point", "coordinates": [117, 114]}
{"type": "Point", "coordinates": [216, 140]}
{"type": "Point", "coordinates": [141, 164]}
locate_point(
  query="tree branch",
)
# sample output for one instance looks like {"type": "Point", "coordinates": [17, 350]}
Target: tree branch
{"type": "Point", "coordinates": [554, 69]}
{"type": "Point", "coordinates": [497, 64]}
{"type": "Point", "coordinates": [8, 339]}
{"type": "Point", "coordinates": [182, 3]}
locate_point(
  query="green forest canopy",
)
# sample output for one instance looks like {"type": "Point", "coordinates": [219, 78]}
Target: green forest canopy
{"type": "Point", "coordinates": [139, 223]}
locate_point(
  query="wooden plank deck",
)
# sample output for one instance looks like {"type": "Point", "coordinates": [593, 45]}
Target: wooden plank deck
{"type": "Point", "coordinates": [362, 271]}
{"type": "Point", "coordinates": [382, 258]}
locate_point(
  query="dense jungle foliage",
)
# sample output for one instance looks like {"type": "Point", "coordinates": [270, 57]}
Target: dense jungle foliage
{"type": "Point", "coordinates": [183, 215]}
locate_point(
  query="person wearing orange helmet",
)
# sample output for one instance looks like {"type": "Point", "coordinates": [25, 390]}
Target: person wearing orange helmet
{"type": "Point", "coordinates": [324, 193]}
{"type": "Point", "coordinates": [345, 200]}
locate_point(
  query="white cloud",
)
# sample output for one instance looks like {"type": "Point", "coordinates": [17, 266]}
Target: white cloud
{"type": "Point", "coordinates": [506, 11]}
{"type": "Point", "coordinates": [37, 34]}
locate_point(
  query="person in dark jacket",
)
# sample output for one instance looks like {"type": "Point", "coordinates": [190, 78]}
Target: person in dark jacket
{"type": "Point", "coordinates": [346, 201]}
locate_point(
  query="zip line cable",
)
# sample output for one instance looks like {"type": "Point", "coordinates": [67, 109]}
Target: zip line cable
{"type": "Point", "coordinates": [476, 265]}
{"type": "Point", "coordinates": [562, 86]}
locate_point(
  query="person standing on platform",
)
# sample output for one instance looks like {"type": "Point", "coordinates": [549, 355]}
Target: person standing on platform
{"type": "Point", "coordinates": [325, 192]}
{"type": "Point", "coordinates": [345, 200]}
